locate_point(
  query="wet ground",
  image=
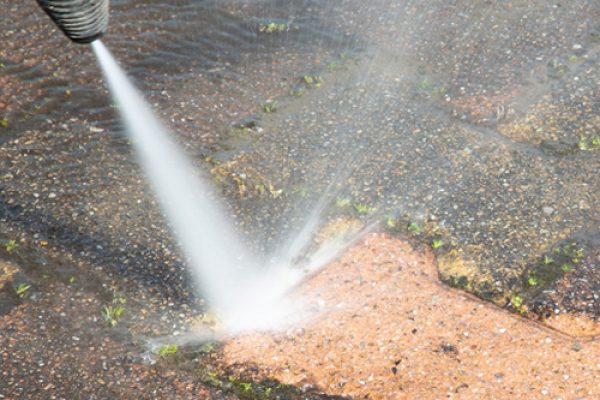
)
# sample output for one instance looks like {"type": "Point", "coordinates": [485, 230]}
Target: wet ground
{"type": "Point", "coordinates": [378, 338]}
{"type": "Point", "coordinates": [471, 127]}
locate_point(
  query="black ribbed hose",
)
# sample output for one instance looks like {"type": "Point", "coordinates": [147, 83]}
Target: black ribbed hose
{"type": "Point", "coordinates": [83, 21]}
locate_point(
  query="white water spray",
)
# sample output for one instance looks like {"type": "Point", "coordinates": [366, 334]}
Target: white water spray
{"type": "Point", "coordinates": [246, 293]}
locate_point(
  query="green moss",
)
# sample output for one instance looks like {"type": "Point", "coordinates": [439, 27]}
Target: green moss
{"type": "Point", "coordinates": [560, 261]}
{"type": "Point", "coordinates": [312, 81]}
{"type": "Point", "coordinates": [273, 27]}
{"type": "Point", "coordinates": [248, 389]}
{"type": "Point", "coordinates": [516, 300]}
{"type": "Point", "coordinates": [438, 91]}
{"type": "Point", "coordinates": [557, 68]}
{"type": "Point", "coordinates": [390, 222]}
{"type": "Point", "coordinates": [270, 107]}
{"type": "Point", "coordinates": [21, 290]}
{"type": "Point", "coordinates": [112, 314]}
{"type": "Point", "coordinates": [533, 281]}
{"type": "Point", "coordinates": [566, 268]}
{"type": "Point", "coordinates": [436, 244]}
{"type": "Point", "coordinates": [298, 92]}
{"type": "Point", "coordinates": [10, 245]}
{"type": "Point", "coordinates": [342, 202]}
{"type": "Point", "coordinates": [414, 228]}
{"type": "Point", "coordinates": [363, 209]}
{"type": "Point", "coordinates": [167, 350]}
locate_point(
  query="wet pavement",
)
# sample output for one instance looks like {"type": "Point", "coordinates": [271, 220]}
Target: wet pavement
{"type": "Point", "coordinates": [472, 127]}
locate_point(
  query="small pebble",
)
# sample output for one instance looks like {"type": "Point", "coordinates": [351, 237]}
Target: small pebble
{"type": "Point", "coordinates": [548, 210]}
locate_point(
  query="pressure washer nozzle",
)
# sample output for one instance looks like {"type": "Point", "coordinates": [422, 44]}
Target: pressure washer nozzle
{"type": "Point", "coordinates": [83, 21]}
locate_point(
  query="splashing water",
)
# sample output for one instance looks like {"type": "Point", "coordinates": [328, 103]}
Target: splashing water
{"type": "Point", "coordinates": [245, 293]}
